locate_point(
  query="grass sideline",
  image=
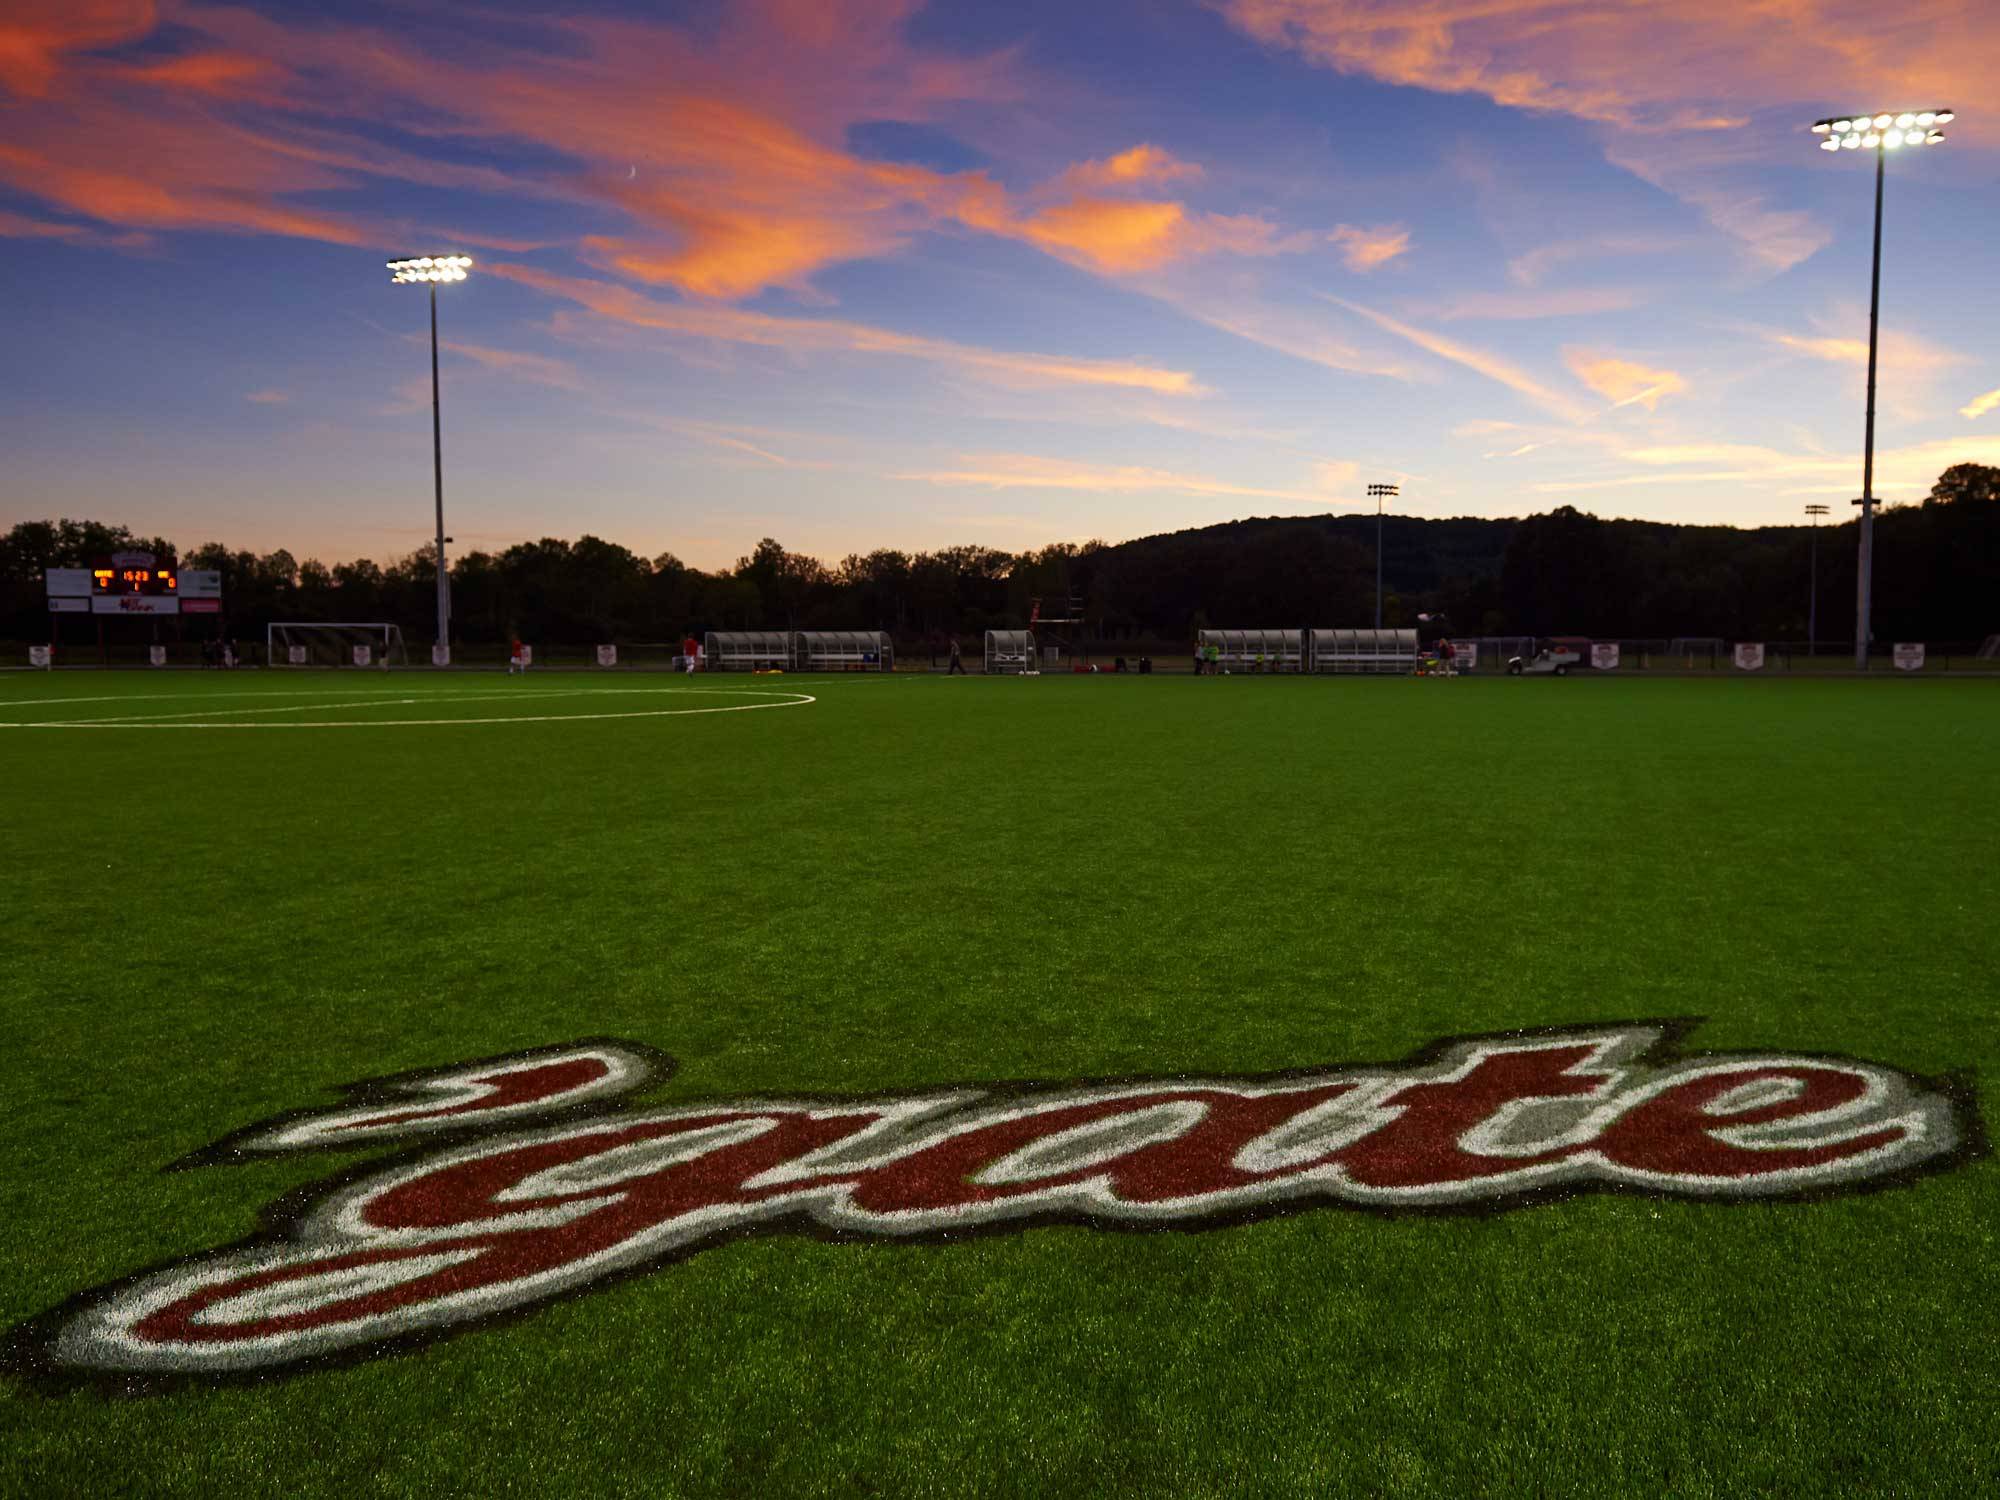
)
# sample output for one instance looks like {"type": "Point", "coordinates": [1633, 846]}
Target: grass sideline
{"type": "Point", "coordinates": [913, 881]}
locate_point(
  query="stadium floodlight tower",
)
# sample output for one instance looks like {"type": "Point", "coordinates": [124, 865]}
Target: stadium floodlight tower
{"type": "Point", "coordinates": [1889, 130]}
{"type": "Point", "coordinates": [1812, 587]}
{"type": "Point", "coordinates": [432, 269]}
{"type": "Point", "coordinates": [1378, 493]}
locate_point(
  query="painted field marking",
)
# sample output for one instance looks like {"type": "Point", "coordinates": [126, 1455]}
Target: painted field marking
{"type": "Point", "coordinates": [181, 721]}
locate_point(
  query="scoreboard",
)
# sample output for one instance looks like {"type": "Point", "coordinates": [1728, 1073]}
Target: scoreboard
{"type": "Point", "coordinates": [134, 583]}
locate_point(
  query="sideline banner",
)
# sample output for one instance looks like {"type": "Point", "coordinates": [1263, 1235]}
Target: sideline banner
{"type": "Point", "coordinates": [1909, 656]}
{"type": "Point", "coordinates": [1750, 656]}
{"type": "Point", "coordinates": [607, 656]}
{"type": "Point", "coordinates": [296, 655]}
{"type": "Point", "coordinates": [1604, 655]}
{"type": "Point", "coordinates": [157, 655]}
{"type": "Point", "coordinates": [38, 656]}
{"type": "Point", "coordinates": [440, 656]}
{"type": "Point", "coordinates": [363, 655]}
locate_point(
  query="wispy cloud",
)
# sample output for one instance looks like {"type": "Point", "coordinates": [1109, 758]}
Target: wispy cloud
{"type": "Point", "coordinates": [1027, 471]}
{"type": "Point", "coordinates": [1365, 249]}
{"type": "Point", "coordinates": [1480, 361]}
{"type": "Point", "coordinates": [268, 398]}
{"type": "Point", "coordinates": [1622, 382]}
{"type": "Point", "coordinates": [805, 335]}
{"type": "Point", "coordinates": [1570, 302]}
{"type": "Point", "coordinates": [1979, 406]}
{"type": "Point", "coordinates": [538, 369]}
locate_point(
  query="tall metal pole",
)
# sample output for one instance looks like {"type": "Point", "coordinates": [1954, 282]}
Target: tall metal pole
{"type": "Point", "coordinates": [437, 468]}
{"type": "Point", "coordinates": [1863, 584]}
{"type": "Point", "coordinates": [1378, 561]}
{"type": "Point", "coordinates": [1812, 596]}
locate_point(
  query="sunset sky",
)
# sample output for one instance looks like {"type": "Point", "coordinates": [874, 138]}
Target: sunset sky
{"type": "Point", "coordinates": [862, 273]}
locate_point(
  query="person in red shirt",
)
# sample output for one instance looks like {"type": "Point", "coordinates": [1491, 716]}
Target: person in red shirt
{"type": "Point", "coordinates": [691, 649]}
{"type": "Point", "coordinates": [516, 662]}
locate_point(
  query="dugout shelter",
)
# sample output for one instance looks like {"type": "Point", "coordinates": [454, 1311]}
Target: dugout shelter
{"type": "Point", "coordinates": [1364, 650]}
{"type": "Point", "coordinates": [747, 650]}
{"type": "Point", "coordinates": [1256, 650]}
{"type": "Point", "coordinates": [845, 651]}
{"type": "Point", "coordinates": [1010, 651]}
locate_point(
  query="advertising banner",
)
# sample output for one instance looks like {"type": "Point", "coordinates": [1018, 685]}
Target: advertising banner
{"type": "Point", "coordinates": [68, 583]}
{"type": "Point", "coordinates": [200, 583]}
{"type": "Point", "coordinates": [607, 656]}
{"type": "Point", "coordinates": [157, 655]}
{"type": "Point", "coordinates": [295, 655]}
{"type": "Point", "coordinates": [1909, 656]}
{"type": "Point", "coordinates": [363, 655]}
{"type": "Point", "coordinates": [201, 606]}
{"type": "Point", "coordinates": [69, 606]}
{"type": "Point", "coordinates": [38, 656]}
{"type": "Point", "coordinates": [1604, 655]}
{"type": "Point", "coordinates": [1750, 656]}
{"type": "Point", "coordinates": [440, 656]}
{"type": "Point", "coordinates": [135, 604]}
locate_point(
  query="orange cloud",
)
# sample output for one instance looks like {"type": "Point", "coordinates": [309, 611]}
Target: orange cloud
{"type": "Point", "coordinates": [807, 335]}
{"type": "Point", "coordinates": [538, 368]}
{"type": "Point", "coordinates": [1140, 166]}
{"type": "Point", "coordinates": [721, 149]}
{"type": "Point", "coordinates": [1682, 65]}
{"type": "Point", "coordinates": [1365, 249]}
{"type": "Point", "coordinates": [35, 36]}
{"type": "Point", "coordinates": [1622, 382]}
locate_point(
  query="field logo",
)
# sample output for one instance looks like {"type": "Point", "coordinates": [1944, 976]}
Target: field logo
{"type": "Point", "coordinates": [530, 1177]}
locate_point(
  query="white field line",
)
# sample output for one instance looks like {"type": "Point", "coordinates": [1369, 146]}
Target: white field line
{"type": "Point", "coordinates": [796, 700]}
{"type": "Point", "coordinates": [378, 701]}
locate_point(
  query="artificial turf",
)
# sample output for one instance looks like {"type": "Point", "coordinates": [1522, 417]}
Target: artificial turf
{"type": "Point", "coordinates": [917, 881]}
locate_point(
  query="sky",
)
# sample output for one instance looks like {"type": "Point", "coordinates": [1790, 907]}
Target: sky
{"type": "Point", "coordinates": [881, 273]}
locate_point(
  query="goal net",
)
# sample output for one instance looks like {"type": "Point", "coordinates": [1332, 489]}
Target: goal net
{"type": "Point", "coordinates": [345, 644]}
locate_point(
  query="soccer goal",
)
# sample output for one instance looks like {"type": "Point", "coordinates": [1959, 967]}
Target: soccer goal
{"type": "Point", "coordinates": [312, 643]}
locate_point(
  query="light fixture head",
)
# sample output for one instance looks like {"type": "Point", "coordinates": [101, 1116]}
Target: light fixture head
{"type": "Point", "coordinates": [1882, 122]}
{"type": "Point", "coordinates": [1905, 120]}
{"type": "Point", "coordinates": [1871, 140]}
{"type": "Point", "coordinates": [1945, 117]}
{"type": "Point", "coordinates": [1841, 127]}
{"type": "Point", "coordinates": [1849, 141]}
{"type": "Point", "coordinates": [1893, 139]}
{"type": "Point", "coordinates": [1934, 138]}
{"type": "Point", "coordinates": [1822, 127]}
{"type": "Point", "coordinates": [1829, 144]}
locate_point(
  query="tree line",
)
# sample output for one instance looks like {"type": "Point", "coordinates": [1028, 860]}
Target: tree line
{"type": "Point", "coordinates": [1937, 577]}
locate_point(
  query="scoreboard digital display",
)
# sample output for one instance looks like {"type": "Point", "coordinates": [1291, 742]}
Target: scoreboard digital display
{"type": "Point", "coordinates": [134, 573]}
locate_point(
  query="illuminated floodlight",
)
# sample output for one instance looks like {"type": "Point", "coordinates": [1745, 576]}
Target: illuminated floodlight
{"type": "Point", "coordinates": [1882, 121]}
{"type": "Point", "coordinates": [1822, 127]}
{"type": "Point", "coordinates": [1905, 120]}
{"type": "Point", "coordinates": [1928, 117]}
{"type": "Point", "coordinates": [1934, 137]}
{"type": "Point", "coordinates": [1829, 145]}
{"type": "Point", "coordinates": [431, 268]}
{"type": "Point", "coordinates": [1849, 142]}
{"type": "Point", "coordinates": [1871, 140]}
{"type": "Point", "coordinates": [1841, 127]}
{"type": "Point", "coordinates": [1945, 117]}
{"type": "Point", "coordinates": [1893, 139]}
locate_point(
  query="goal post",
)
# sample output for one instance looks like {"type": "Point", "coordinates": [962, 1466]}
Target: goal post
{"type": "Point", "coordinates": [339, 643]}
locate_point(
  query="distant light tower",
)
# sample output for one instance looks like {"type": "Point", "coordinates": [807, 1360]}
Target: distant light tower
{"type": "Point", "coordinates": [1378, 493]}
{"type": "Point", "coordinates": [1881, 133]}
{"type": "Point", "coordinates": [432, 269]}
{"type": "Point", "coordinates": [1812, 595]}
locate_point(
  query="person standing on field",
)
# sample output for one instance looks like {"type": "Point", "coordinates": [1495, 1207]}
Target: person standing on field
{"type": "Point", "coordinates": [956, 665]}
{"type": "Point", "coordinates": [515, 663]}
{"type": "Point", "coordinates": [690, 649]}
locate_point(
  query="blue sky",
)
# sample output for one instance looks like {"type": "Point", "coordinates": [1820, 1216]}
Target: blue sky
{"type": "Point", "coordinates": [891, 274]}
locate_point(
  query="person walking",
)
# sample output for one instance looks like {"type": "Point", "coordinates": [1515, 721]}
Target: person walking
{"type": "Point", "coordinates": [956, 665]}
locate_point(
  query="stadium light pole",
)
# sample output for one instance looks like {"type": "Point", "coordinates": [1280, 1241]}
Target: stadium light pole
{"type": "Point", "coordinates": [1881, 133]}
{"type": "Point", "coordinates": [1812, 587]}
{"type": "Point", "coordinates": [1377, 493]}
{"type": "Point", "coordinates": [432, 269]}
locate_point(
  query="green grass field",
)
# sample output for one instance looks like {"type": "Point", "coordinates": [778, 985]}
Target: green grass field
{"type": "Point", "coordinates": [253, 888]}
